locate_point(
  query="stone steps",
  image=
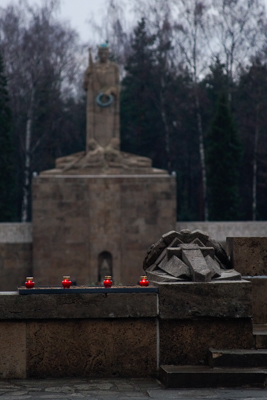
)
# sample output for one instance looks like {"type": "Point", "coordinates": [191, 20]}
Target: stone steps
{"type": "Point", "coordinates": [237, 358]}
{"type": "Point", "coordinates": [227, 368]}
{"type": "Point", "coordinates": [260, 336]}
{"type": "Point", "coordinates": [173, 376]}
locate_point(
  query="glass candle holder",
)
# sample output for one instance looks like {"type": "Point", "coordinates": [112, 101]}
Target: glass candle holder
{"type": "Point", "coordinates": [143, 281]}
{"type": "Point", "coordinates": [108, 281]}
{"type": "Point", "coordinates": [29, 282]}
{"type": "Point", "coordinates": [66, 282]}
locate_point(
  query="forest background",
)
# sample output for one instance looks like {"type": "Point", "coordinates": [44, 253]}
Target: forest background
{"type": "Point", "coordinates": [193, 98]}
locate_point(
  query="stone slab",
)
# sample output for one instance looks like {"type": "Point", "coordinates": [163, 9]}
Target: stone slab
{"type": "Point", "coordinates": [196, 262]}
{"type": "Point", "coordinates": [63, 306]}
{"type": "Point", "coordinates": [237, 358]}
{"type": "Point", "coordinates": [224, 299]}
{"type": "Point", "coordinates": [186, 342]}
{"type": "Point", "coordinates": [205, 377]}
{"type": "Point", "coordinates": [175, 267]}
{"type": "Point", "coordinates": [83, 289]}
{"type": "Point", "coordinates": [94, 348]}
{"type": "Point", "coordinates": [260, 336]}
{"type": "Point", "coordinates": [248, 254]}
{"type": "Point", "coordinates": [259, 299]}
{"type": "Point", "coordinates": [12, 350]}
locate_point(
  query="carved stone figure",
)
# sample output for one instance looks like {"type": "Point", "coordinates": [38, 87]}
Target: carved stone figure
{"type": "Point", "coordinates": [101, 82]}
{"type": "Point", "coordinates": [191, 256]}
{"type": "Point", "coordinates": [102, 155]}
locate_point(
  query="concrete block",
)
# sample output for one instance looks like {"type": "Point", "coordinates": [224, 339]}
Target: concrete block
{"type": "Point", "coordinates": [237, 358]}
{"type": "Point", "coordinates": [64, 306]}
{"type": "Point", "coordinates": [248, 254]}
{"type": "Point", "coordinates": [12, 350]}
{"type": "Point", "coordinates": [92, 348]}
{"type": "Point", "coordinates": [204, 377]}
{"type": "Point", "coordinates": [259, 299]}
{"type": "Point", "coordinates": [186, 342]}
{"type": "Point", "coordinates": [224, 299]}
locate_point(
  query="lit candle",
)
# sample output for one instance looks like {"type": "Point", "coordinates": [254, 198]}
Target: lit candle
{"type": "Point", "coordinates": [29, 282]}
{"type": "Point", "coordinates": [108, 281]}
{"type": "Point", "coordinates": [66, 282]}
{"type": "Point", "coordinates": [143, 281]}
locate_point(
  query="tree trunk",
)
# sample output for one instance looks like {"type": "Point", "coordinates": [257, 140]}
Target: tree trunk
{"type": "Point", "coordinates": [166, 126]}
{"type": "Point", "coordinates": [27, 167]}
{"type": "Point", "coordinates": [202, 157]}
{"type": "Point", "coordinates": [255, 167]}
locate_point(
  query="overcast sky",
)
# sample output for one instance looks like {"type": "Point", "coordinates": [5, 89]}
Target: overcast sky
{"type": "Point", "coordinates": [76, 11]}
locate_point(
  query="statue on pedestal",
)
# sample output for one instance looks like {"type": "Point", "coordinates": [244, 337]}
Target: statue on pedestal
{"type": "Point", "coordinates": [101, 83]}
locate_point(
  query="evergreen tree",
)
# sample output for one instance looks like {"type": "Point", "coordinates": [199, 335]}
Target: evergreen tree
{"type": "Point", "coordinates": [7, 175]}
{"type": "Point", "coordinates": [252, 118]}
{"type": "Point", "coordinates": [223, 156]}
{"type": "Point", "coordinates": [141, 124]}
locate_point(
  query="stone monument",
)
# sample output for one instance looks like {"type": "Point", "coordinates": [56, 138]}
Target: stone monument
{"type": "Point", "coordinates": [102, 155]}
{"type": "Point", "coordinates": [97, 210]}
{"type": "Point", "coordinates": [188, 256]}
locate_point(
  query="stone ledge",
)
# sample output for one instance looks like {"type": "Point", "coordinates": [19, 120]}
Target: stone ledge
{"type": "Point", "coordinates": [222, 299]}
{"type": "Point", "coordinates": [77, 306]}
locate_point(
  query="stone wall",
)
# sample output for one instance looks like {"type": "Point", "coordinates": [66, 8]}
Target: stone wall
{"type": "Point", "coordinates": [249, 257]}
{"type": "Point", "coordinates": [221, 230]}
{"type": "Point", "coordinates": [80, 220]}
{"type": "Point", "coordinates": [119, 334]}
{"type": "Point", "coordinates": [15, 254]}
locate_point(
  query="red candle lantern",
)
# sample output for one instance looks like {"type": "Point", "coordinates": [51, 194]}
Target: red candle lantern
{"type": "Point", "coordinates": [143, 281]}
{"type": "Point", "coordinates": [66, 282]}
{"type": "Point", "coordinates": [108, 281]}
{"type": "Point", "coordinates": [29, 282]}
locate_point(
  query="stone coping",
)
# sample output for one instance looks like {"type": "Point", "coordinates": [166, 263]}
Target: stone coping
{"type": "Point", "coordinates": [152, 175]}
{"type": "Point", "coordinates": [83, 289]}
{"type": "Point", "coordinates": [184, 300]}
{"type": "Point", "coordinates": [77, 306]}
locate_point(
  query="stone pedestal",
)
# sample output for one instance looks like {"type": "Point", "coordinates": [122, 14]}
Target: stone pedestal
{"type": "Point", "coordinates": [195, 316]}
{"type": "Point", "coordinates": [85, 225]}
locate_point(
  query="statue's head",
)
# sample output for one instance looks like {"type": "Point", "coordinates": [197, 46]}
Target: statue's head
{"type": "Point", "coordinates": [103, 52]}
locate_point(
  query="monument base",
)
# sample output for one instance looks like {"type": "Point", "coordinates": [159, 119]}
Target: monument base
{"type": "Point", "coordinates": [88, 226]}
{"type": "Point", "coordinates": [195, 316]}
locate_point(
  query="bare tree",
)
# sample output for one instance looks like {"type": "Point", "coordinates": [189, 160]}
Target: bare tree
{"type": "Point", "coordinates": [191, 39]}
{"type": "Point", "coordinates": [237, 26]}
{"type": "Point", "coordinates": [36, 48]}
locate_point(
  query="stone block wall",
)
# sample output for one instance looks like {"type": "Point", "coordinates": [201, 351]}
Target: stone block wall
{"type": "Point", "coordinates": [220, 230]}
{"type": "Point", "coordinates": [79, 220]}
{"type": "Point", "coordinates": [15, 254]}
{"type": "Point", "coordinates": [119, 334]}
{"type": "Point", "coordinates": [249, 257]}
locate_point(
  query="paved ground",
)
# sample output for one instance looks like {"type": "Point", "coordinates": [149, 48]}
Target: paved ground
{"type": "Point", "coordinates": [112, 389]}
